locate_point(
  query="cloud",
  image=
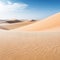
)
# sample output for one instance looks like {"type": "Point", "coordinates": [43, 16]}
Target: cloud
{"type": "Point", "coordinates": [9, 9]}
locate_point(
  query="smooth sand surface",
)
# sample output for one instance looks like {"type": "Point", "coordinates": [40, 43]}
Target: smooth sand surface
{"type": "Point", "coordinates": [55, 29]}
{"type": "Point", "coordinates": [47, 23]}
{"type": "Point", "coordinates": [29, 45]}
{"type": "Point", "coordinates": [14, 25]}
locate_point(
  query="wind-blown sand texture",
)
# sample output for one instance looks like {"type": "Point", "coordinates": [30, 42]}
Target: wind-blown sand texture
{"type": "Point", "coordinates": [29, 45]}
{"type": "Point", "coordinates": [47, 23]}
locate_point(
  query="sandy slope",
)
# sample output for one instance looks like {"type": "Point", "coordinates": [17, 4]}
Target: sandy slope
{"type": "Point", "coordinates": [14, 25]}
{"type": "Point", "coordinates": [50, 22]}
{"type": "Point", "coordinates": [29, 45]}
{"type": "Point", "coordinates": [55, 29]}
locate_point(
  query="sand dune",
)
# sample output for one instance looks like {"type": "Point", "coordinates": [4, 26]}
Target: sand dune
{"type": "Point", "coordinates": [47, 23]}
{"type": "Point", "coordinates": [14, 25]}
{"type": "Point", "coordinates": [44, 44]}
{"type": "Point", "coordinates": [29, 46]}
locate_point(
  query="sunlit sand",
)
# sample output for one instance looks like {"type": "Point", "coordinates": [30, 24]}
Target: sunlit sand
{"type": "Point", "coordinates": [29, 45]}
{"type": "Point", "coordinates": [31, 41]}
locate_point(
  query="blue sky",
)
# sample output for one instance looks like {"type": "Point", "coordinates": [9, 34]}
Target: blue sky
{"type": "Point", "coordinates": [28, 9]}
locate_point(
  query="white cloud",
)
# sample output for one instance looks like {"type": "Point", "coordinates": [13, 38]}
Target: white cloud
{"type": "Point", "coordinates": [9, 9]}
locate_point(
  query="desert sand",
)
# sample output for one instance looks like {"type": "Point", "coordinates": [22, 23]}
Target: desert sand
{"type": "Point", "coordinates": [29, 45]}
{"type": "Point", "coordinates": [36, 41]}
{"type": "Point", "coordinates": [54, 29]}
{"type": "Point", "coordinates": [47, 23]}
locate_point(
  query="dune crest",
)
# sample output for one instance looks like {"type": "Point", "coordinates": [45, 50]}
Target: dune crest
{"type": "Point", "coordinates": [47, 23]}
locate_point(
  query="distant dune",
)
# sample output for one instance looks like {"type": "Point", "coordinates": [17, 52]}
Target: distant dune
{"type": "Point", "coordinates": [13, 21]}
{"type": "Point", "coordinates": [14, 25]}
{"type": "Point", "coordinates": [47, 23]}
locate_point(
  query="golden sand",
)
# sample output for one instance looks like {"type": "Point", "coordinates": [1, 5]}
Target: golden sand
{"type": "Point", "coordinates": [29, 45]}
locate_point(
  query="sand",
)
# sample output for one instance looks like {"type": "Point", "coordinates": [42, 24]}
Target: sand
{"type": "Point", "coordinates": [29, 45]}
{"type": "Point", "coordinates": [55, 29]}
{"type": "Point", "coordinates": [47, 23]}
{"type": "Point", "coordinates": [37, 41]}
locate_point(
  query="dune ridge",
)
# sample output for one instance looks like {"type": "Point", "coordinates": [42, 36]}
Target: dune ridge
{"type": "Point", "coordinates": [47, 23]}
